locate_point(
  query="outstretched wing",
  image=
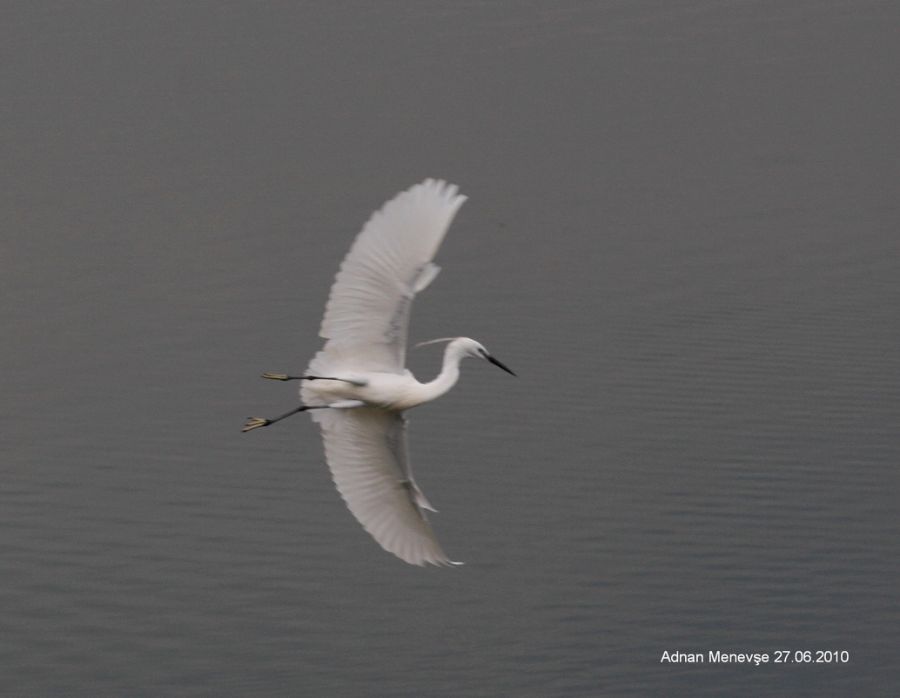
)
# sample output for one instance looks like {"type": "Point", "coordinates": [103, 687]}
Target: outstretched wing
{"type": "Point", "coordinates": [366, 451]}
{"type": "Point", "coordinates": [367, 314]}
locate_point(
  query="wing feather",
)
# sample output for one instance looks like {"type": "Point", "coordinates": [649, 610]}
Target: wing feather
{"type": "Point", "coordinates": [365, 449]}
{"type": "Point", "coordinates": [367, 314]}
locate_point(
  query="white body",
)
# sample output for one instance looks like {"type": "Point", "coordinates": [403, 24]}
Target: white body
{"type": "Point", "coordinates": [390, 391]}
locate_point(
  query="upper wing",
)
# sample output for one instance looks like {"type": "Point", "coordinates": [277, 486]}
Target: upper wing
{"type": "Point", "coordinates": [368, 310]}
{"type": "Point", "coordinates": [366, 451]}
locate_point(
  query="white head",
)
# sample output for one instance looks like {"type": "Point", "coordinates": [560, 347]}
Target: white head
{"type": "Point", "coordinates": [464, 346]}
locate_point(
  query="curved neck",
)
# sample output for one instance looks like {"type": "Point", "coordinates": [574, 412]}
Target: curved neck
{"type": "Point", "coordinates": [448, 376]}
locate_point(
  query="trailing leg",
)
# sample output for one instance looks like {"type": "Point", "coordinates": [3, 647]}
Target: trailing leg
{"type": "Point", "coordinates": [257, 422]}
{"type": "Point", "coordinates": [285, 377]}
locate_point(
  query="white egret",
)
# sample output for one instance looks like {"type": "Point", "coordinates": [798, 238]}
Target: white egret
{"type": "Point", "coordinates": [358, 384]}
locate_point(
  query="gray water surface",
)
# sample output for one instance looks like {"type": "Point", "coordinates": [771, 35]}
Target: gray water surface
{"type": "Point", "coordinates": [682, 234]}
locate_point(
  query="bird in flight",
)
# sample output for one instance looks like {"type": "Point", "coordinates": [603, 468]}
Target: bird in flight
{"type": "Point", "coordinates": [357, 387]}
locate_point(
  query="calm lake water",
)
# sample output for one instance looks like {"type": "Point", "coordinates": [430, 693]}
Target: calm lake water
{"type": "Point", "coordinates": [682, 234]}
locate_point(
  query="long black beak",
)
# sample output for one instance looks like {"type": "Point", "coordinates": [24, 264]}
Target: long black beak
{"type": "Point", "coordinates": [498, 364]}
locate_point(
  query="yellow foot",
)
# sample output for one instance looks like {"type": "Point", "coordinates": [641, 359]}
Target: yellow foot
{"type": "Point", "coordinates": [255, 423]}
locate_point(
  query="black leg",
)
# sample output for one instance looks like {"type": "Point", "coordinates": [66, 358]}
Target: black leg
{"type": "Point", "coordinates": [285, 377]}
{"type": "Point", "coordinates": [257, 422]}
